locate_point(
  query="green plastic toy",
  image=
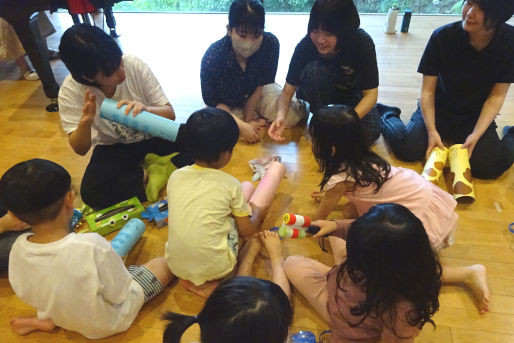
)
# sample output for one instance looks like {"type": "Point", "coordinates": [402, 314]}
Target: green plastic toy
{"type": "Point", "coordinates": [115, 217]}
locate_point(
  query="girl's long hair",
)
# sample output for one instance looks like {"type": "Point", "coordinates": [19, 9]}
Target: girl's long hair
{"type": "Point", "coordinates": [389, 253]}
{"type": "Point", "coordinates": [241, 309]}
{"type": "Point", "coordinates": [340, 145]}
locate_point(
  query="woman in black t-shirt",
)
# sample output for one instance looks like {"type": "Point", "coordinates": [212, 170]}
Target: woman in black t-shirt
{"type": "Point", "coordinates": [467, 69]}
{"type": "Point", "coordinates": [335, 63]}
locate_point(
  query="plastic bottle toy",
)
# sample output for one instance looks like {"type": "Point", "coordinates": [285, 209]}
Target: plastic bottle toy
{"type": "Point", "coordinates": [296, 220]}
{"type": "Point", "coordinates": [75, 220]}
{"type": "Point", "coordinates": [128, 236]}
{"type": "Point", "coordinates": [290, 232]}
{"type": "Point", "coordinates": [145, 121]}
{"type": "Point", "coordinates": [302, 337]}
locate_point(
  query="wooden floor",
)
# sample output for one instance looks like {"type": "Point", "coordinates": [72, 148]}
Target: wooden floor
{"type": "Point", "coordinates": [173, 46]}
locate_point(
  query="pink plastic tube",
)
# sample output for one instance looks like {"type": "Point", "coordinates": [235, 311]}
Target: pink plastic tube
{"type": "Point", "coordinates": [248, 189]}
{"type": "Point", "coordinates": [268, 186]}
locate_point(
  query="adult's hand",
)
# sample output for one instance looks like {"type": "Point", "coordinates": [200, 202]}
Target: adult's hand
{"type": "Point", "coordinates": [470, 143]}
{"type": "Point", "coordinates": [135, 106]}
{"type": "Point", "coordinates": [433, 140]}
{"type": "Point", "coordinates": [276, 129]}
{"type": "Point", "coordinates": [89, 108]}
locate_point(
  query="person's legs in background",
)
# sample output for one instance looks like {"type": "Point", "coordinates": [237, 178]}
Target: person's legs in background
{"type": "Point", "coordinates": [408, 143]}
{"type": "Point", "coordinates": [115, 174]}
{"type": "Point", "coordinates": [10, 229]}
{"type": "Point", "coordinates": [111, 22]}
{"type": "Point", "coordinates": [267, 106]}
{"type": "Point", "coordinates": [491, 156]}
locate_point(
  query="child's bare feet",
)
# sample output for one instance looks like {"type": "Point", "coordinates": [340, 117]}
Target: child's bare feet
{"type": "Point", "coordinates": [249, 132]}
{"type": "Point", "coordinates": [271, 241]}
{"type": "Point", "coordinates": [247, 256]}
{"type": "Point", "coordinates": [204, 290]}
{"type": "Point", "coordinates": [26, 325]}
{"type": "Point", "coordinates": [477, 281]}
{"type": "Point", "coordinates": [254, 246]}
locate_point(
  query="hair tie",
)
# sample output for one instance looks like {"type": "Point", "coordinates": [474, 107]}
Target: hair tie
{"type": "Point", "coordinates": [195, 319]}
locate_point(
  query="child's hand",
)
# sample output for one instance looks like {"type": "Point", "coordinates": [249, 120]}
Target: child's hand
{"type": "Point", "coordinates": [135, 106]}
{"type": "Point", "coordinates": [326, 227]}
{"type": "Point", "coordinates": [317, 195]}
{"type": "Point", "coordinates": [89, 108]}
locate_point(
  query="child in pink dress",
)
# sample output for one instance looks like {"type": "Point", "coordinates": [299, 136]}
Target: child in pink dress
{"type": "Point", "coordinates": [387, 286]}
{"type": "Point", "coordinates": [352, 170]}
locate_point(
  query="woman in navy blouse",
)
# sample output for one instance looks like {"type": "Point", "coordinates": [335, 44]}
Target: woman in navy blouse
{"type": "Point", "coordinates": [238, 71]}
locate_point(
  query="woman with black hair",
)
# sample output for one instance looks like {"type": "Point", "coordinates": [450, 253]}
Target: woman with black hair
{"type": "Point", "coordinates": [238, 71]}
{"type": "Point", "coordinates": [335, 63]}
{"type": "Point", "coordinates": [467, 69]}
{"type": "Point", "coordinates": [99, 70]}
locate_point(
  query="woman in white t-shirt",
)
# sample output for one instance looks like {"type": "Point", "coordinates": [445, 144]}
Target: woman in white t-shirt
{"type": "Point", "coordinates": [99, 70]}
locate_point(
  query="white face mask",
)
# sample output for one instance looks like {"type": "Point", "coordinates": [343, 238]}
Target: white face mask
{"type": "Point", "coordinates": [244, 47]}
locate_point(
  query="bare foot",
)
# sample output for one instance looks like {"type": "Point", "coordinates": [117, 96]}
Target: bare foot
{"type": "Point", "coordinates": [477, 281]}
{"type": "Point", "coordinates": [247, 256]}
{"type": "Point", "coordinates": [254, 246]}
{"type": "Point", "coordinates": [271, 241]}
{"type": "Point", "coordinates": [249, 132]}
{"type": "Point", "coordinates": [204, 290]}
{"type": "Point", "coordinates": [26, 325]}
{"type": "Point", "coordinates": [8, 223]}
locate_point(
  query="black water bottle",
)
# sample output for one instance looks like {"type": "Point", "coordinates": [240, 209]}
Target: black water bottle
{"type": "Point", "coordinates": [406, 21]}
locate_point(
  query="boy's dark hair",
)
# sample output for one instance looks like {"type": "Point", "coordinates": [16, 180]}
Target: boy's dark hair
{"type": "Point", "coordinates": [496, 12]}
{"type": "Point", "coordinates": [339, 127]}
{"type": "Point", "coordinates": [241, 309]}
{"type": "Point", "coordinates": [210, 132]}
{"type": "Point", "coordinates": [339, 17]}
{"type": "Point", "coordinates": [34, 190]}
{"type": "Point", "coordinates": [87, 50]}
{"type": "Point", "coordinates": [246, 16]}
{"type": "Point", "coordinates": [389, 252]}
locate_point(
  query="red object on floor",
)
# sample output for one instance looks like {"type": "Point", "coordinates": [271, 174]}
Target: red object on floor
{"type": "Point", "coordinates": [80, 6]}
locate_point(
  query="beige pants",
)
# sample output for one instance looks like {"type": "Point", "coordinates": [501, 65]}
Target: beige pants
{"type": "Point", "coordinates": [309, 277]}
{"type": "Point", "coordinates": [267, 106]}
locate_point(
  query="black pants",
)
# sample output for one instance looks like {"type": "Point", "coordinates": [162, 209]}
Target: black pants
{"type": "Point", "coordinates": [115, 174]}
{"type": "Point", "coordinates": [490, 158]}
{"type": "Point", "coordinates": [322, 83]}
{"type": "Point", "coordinates": [7, 239]}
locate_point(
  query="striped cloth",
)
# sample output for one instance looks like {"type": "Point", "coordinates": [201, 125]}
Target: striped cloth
{"type": "Point", "coordinates": [148, 281]}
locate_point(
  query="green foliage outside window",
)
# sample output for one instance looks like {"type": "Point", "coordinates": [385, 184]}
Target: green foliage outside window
{"type": "Point", "coordinates": [364, 6]}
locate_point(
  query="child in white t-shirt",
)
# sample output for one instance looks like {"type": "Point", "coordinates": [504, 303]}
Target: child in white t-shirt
{"type": "Point", "coordinates": [75, 281]}
{"type": "Point", "coordinates": [207, 209]}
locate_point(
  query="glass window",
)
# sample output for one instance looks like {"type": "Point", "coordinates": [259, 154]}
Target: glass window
{"type": "Point", "coordinates": [295, 6]}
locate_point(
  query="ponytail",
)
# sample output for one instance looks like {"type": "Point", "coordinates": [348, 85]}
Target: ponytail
{"type": "Point", "coordinates": [178, 323]}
